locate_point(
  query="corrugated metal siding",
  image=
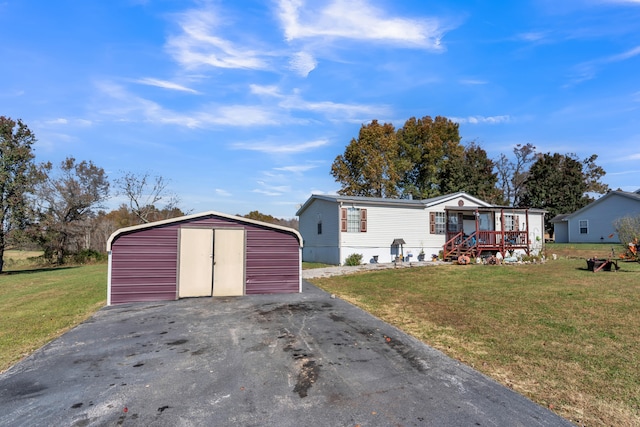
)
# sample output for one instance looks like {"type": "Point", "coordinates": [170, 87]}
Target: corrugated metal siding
{"type": "Point", "coordinates": [144, 266]}
{"type": "Point", "coordinates": [144, 263]}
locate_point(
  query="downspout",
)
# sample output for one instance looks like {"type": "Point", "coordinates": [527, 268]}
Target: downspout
{"type": "Point", "coordinates": [340, 233]}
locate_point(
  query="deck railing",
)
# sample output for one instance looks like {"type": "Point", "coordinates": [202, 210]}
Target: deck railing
{"type": "Point", "coordinates": [477, 242]}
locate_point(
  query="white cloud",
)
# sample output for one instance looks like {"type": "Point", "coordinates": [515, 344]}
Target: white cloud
{"type": "Point", "coordinates": [223, 193]}
{"type": "Point", "coordinates": [265, 90]}
{"type": "Point", "coordinates": [166, 85]}
{"type": "Point", "coordinates": [472, 82]}
{"type": "Point", "coordinates": [482, 119]}
{"type": "Point", "coordinates": [239, 115]}
{"type": "Point", "coordinates": [347, 112]}
{"type": "Point", "coordinates": [588, 70]}
{"type": "Point", "coordinates": [340, 111]}
{"type": "Point", "coordinates": [278, 148]}
{"type": "Point", "coordinates": [272, 190]}
{"type": "Point", "coordinates": [303, 63]}
{"type": "Point", "coordinates": [357, 19]}
{"type": "Point", "coordinates": [133, 108]}
{"type": "Point", "coordinates": [70, 122]}
{"type": "Point", "coordinates": [533, 36]}
{"type": "Point", "coordinates": [198, 45]}
{"type": "Point", "coordinates": [296, 168]}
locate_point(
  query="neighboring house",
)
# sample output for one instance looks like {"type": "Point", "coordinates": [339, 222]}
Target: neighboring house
{"type": "Point", "coordinates": [594, 222]}
{"type": "Point", "coordinates": [334, 227]}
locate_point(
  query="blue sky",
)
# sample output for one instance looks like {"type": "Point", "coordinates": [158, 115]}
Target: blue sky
{"type": "Point", "coordinates": [244, 105]}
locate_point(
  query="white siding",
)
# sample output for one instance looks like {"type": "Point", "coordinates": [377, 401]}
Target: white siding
{"type": "Point", "coordinates": [384, 225]}
{"type": "Point", "coordinates": [536, 232]}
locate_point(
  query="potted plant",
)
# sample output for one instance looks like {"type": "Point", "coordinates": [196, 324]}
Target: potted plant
{"type": "Point", "coordinates": [421, 255]}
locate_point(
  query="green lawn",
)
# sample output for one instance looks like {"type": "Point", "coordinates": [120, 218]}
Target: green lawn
{"type": "Point", "coordinates": [563, 336]}
{"type": "Point", "coordinates": [39, 305]}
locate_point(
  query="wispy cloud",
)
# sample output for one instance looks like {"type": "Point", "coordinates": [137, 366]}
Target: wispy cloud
{"type": "Point", "coordinates": [271, 190]}
{"type": "Point", "coordinates": [223, 193]}
{"type": "Point", "coordinates": [198, 45]}
{"type": "Point", "coordinates": [296, 168]}
{"type": "Point", "coordinates": [339, 111]}
{"type": "Point", "coordinates": [359, 20]}
{"type": "Point", "coordinates": [474, 120]}
{"type": "Point", "coordinates": [533, 36]}
{"type": "Point", "coordinates": [472, 82]}
{"type": "Point", "coordinates": [589, 70]}
{"type": "Point", "coordinates": [278, 148]}
{"type": "Point", "coordinates": [165, 85]}
{"type": "Point", "coordinates": [63, 121]}
{"type": "Point", "coordinates": [129, 107]}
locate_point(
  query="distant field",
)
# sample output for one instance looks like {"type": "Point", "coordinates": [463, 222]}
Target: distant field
{"type": "Point", "coordinates": [39, 304]}
{"type": "Point", "coordinates": [584, 250]}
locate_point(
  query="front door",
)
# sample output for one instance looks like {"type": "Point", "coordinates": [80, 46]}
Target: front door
{"type": "Point", "coordinates": [229, 260]}
{"type": "Point", "coordinates": [195, 278]}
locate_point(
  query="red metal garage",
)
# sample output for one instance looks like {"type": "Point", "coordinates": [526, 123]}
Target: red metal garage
{"type": "Point", "coordinates": [206, 254]}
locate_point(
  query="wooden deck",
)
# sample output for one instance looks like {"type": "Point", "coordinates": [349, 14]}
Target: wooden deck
{"type": "Point", "coordinates": [458, 244]}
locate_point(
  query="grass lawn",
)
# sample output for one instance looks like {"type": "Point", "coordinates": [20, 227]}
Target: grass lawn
{"type": "Point", "coordinates": [563, 336]}
{"type": "Point", "coordinates": [38, 305]}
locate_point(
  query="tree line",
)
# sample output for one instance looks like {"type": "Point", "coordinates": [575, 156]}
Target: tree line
{"type": "Point", "coordinates": [425, 158]}
{"type": "Point", "coordinates": [59, 209]}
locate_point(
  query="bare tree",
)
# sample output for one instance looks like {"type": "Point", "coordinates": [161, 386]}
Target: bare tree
{"type": "Point", "coordinates": [66, 201]}
{"type": "Point", "coordinates": [513, 174]}
{"type": "Point", "coordinates": [144, 192]}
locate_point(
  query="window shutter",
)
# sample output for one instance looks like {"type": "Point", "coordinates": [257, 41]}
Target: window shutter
{"type": "Point", "coordinates": [343, 220]}
{"type": "Point", "coordinates": [432, 222]}
{"type": "Point", "coordinates": [363, 220]}
{"type": "Point", "coordinates": [516, 221]}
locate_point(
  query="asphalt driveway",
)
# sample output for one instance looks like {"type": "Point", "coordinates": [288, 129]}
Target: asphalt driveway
{"type": "Point", "coordinates": [264, 360]}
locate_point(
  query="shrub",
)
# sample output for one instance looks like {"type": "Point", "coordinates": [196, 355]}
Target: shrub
{"type": "Point", "coordinates": [87, 256]}
{"type": "Point", "coordinates": [628, 228]}
{"type": "Point", "coordinates": [353, 259]}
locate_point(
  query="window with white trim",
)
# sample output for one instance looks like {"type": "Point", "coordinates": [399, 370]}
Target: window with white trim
{"type": "Point", "coordinates": [510, 222]}
{"type": "Point", "coordinates": [440, 222]}
{"type": "Point", "coordinates": [353, 220]}
{"type": "Point", "coordinates": [584, 226]}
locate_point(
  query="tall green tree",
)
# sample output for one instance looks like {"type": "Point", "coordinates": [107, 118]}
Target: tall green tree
{"type": "Point", "coordinates": [18, 175]}
{"type": "Point", "coordinates": [478, 176]}
{"type": "Point", "coordinates": [560, 184]}
{"type": "Point", "coordinates": [66, 200]}
{"type": "Point", "coordinates": [432, 154]}
{"type": "Point", "coordinates": [370, 165]}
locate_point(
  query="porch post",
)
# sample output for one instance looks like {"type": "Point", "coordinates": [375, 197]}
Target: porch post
{"type": "Point", "coordinates": [526, 212]}
{"type": "Point", "coordinates": [502, 231]}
